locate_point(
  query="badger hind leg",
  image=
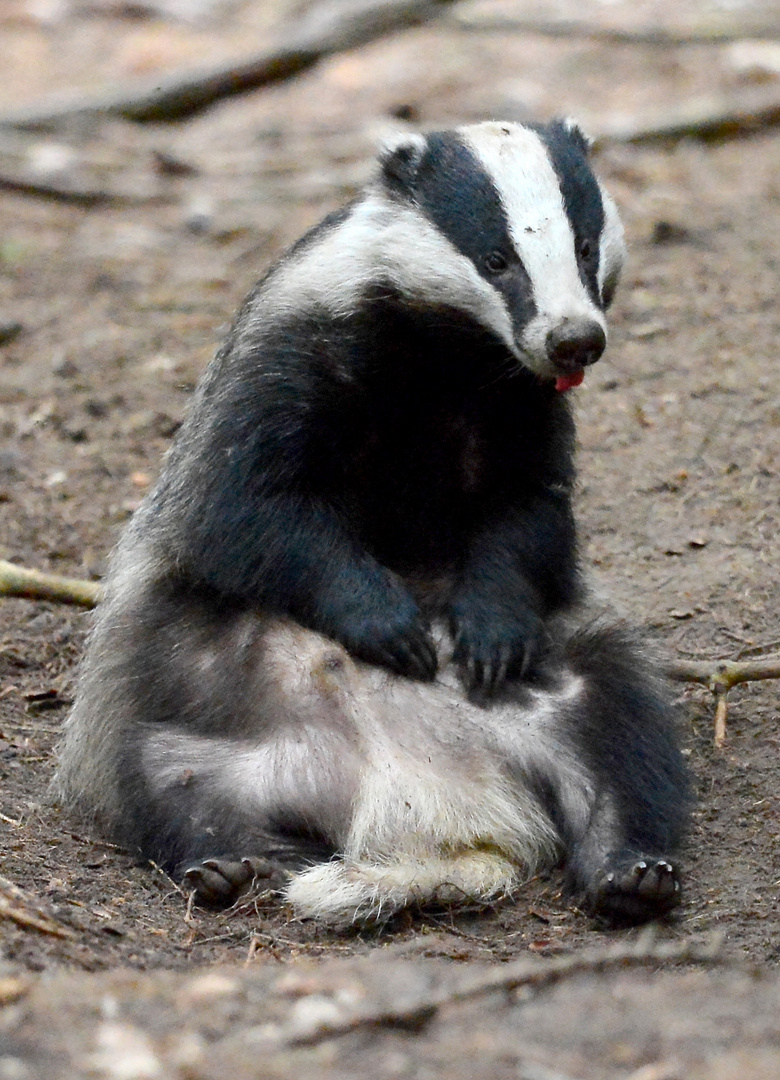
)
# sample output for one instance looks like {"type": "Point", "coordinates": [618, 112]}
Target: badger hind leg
{"type": "Point", "coordinates": [346, 891]}
{"type": "Point", "coordinates": [215, 740]}
{"type": "Point", "coordinates": [620, 855]}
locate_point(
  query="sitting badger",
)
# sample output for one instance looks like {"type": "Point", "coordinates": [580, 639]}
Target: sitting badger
{"type": "Point", "coordinates": [346, 634]}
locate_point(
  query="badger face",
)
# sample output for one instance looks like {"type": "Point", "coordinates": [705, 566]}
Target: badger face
{"type": "Point", "coordinates": [518, 233]}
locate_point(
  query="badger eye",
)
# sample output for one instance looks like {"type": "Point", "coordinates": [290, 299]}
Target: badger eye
{"type": "Point", "coordinates": [586, 249]}
{"type": "Point", "coordinates": [495, 262]}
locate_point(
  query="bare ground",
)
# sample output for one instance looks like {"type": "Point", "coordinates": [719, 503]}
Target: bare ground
{"type": "Point", "coordinates": [120, 307]}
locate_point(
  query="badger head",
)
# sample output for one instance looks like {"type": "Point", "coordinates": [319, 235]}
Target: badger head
{"type": "Point", "coordinates": [512, 227]}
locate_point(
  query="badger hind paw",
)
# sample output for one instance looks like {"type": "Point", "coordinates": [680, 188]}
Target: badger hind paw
{"type": "Point", "coordinates": [219, 882]}
{"type": "Point", "coordinates": [634, 889]}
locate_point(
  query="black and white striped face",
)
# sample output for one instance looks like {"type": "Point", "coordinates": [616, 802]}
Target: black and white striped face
{"type": "Point", "coordinates": [513, 228]}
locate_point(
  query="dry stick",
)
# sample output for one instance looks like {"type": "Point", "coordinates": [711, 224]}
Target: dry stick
{"type": "Point", "coordinates": [331, 28]}
{"type": "Point", "coordinates": [613, 35]}
{"type": "Point", "coordinates": [76, 196]}
{"type": "Point", "coordinates": [719, 676]}
{"type": "Point", "coordinates": [21, 909]}
{"type": "Point", "coordinates": [708, 118]}
{"type": "Point", "coordinates": [16, 174]}
{"type": "Point", "coordinates": [34, 585]}
{"type": "Point", "coordinates": [703, 118]}
{"type": "Point", "coordinates": [505, 978]}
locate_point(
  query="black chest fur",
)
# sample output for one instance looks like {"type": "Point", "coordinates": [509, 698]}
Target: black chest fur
{"type": "Point", "coordinates": [397, 432]}
{"type": "Point", "coordinates": [442, 422]}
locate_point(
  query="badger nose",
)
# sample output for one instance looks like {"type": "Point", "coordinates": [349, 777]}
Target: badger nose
{"type": "Point", "coordinates": [575, 343]}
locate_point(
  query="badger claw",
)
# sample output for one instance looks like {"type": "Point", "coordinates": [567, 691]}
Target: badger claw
{"type": "Point", "coordinates": [632, 890]}
{"type": "Point", "coordinates": [219, 882]}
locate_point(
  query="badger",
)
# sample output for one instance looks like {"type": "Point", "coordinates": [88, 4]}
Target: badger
{"type": "Point", "coordinates": [346, 641]}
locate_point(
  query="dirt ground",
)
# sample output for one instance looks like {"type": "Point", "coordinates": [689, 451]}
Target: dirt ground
{"type": "Point", "coordinates": [109, 312]}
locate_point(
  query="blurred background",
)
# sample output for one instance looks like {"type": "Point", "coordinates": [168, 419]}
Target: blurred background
{"type": "Point", "coordinates": [625, 68]}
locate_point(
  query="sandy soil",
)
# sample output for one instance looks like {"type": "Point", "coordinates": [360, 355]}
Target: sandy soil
{"type": "Point", "coordinates": [120, 307]}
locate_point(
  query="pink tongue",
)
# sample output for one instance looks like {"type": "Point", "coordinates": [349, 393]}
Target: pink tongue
{"type": "Point", "coordinates": [565, 382]}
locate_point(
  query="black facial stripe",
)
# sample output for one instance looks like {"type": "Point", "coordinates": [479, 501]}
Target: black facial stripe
{"type": "Point", "coordinates": [581, 196]}
{"type": "Point", "coordinates": [457, 194]}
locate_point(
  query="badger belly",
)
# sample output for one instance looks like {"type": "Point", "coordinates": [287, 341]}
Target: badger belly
{"type": "Point", "coordinates": [217, 740]}
{"type": "Point", "coordinates": [420, 794]}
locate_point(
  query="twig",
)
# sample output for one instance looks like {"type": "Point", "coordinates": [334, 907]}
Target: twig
{"type": "Point", "coordinates": [613, 35]}
{"type": "Point", "coordinates": [80, 182]}
{"type": "Point", "coordinates": [719, 676]}
{"type": "Point", "coordinates": [21, 909]}
{"type": "Point", "coordinates": [330, 28]}
{"type": "Point", "coordinates": [703, 118]}
{"type": "Point", "coordinates": [35, 585]}
{"type": "Point", "coordinates": [189, 918]}
{"type": "Point", "coordinates": [66, 193]}
{"type": "Point", "coordinates": [763, 647]}
{"type": "Point", "coordinates": [508, 977]}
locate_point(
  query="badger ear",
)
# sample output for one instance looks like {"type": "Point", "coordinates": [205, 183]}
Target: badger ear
{"type": "Point", "coordinates": [400, 157]}
{"type": "Point", "coordinates": [612, 253]}
{"type": "Point", "coordinates": [576, 134]}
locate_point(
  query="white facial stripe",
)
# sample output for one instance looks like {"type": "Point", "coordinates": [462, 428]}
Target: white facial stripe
{"type": "Point", "coordinates": [439, 273]}
{"type": "Point", "coordinates": [528, 186]}
{"type": "Point", "coordinates": [397, 243]}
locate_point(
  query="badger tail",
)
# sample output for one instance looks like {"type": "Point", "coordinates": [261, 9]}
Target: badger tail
{"type": "Point", "coordinates": [343, 892]}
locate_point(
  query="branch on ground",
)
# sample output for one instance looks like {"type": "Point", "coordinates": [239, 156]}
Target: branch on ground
{"type": "Point", "coordinates": [336, 26]}
{"type": "Point", "coordinates": [719, 676]}
{"type": "Point", "coordinates": [701, 118]}
{"type": "Point", "coordinates": [67, 193]}
{"type": "Point", "coordinates": [35, 585]}
{"type": "Point", "coordinates": [27, 912]}
{"type": "Point", "coordinates": [330, 28]}
{"type": "Point", "coordinates": [505, 978]}
{"type": "Point", "coordinates": [664, 37]}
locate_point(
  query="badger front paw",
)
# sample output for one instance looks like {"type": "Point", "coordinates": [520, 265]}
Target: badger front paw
{"type": "Point", "coordinates": [397, 638]}
{"type": "Point", "coordinates": [221, 881]}
{"type": "Point", "coordinates": [634, 889]}
{"type": "Point", "coordinates": [491, 646]}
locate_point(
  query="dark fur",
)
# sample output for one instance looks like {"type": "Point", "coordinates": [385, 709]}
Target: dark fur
{"type": "Point", "coordinates": [405, 452]}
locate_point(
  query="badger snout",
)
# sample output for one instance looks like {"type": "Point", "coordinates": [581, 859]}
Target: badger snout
{"type": "Point", "coordinates": [575, 343]}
